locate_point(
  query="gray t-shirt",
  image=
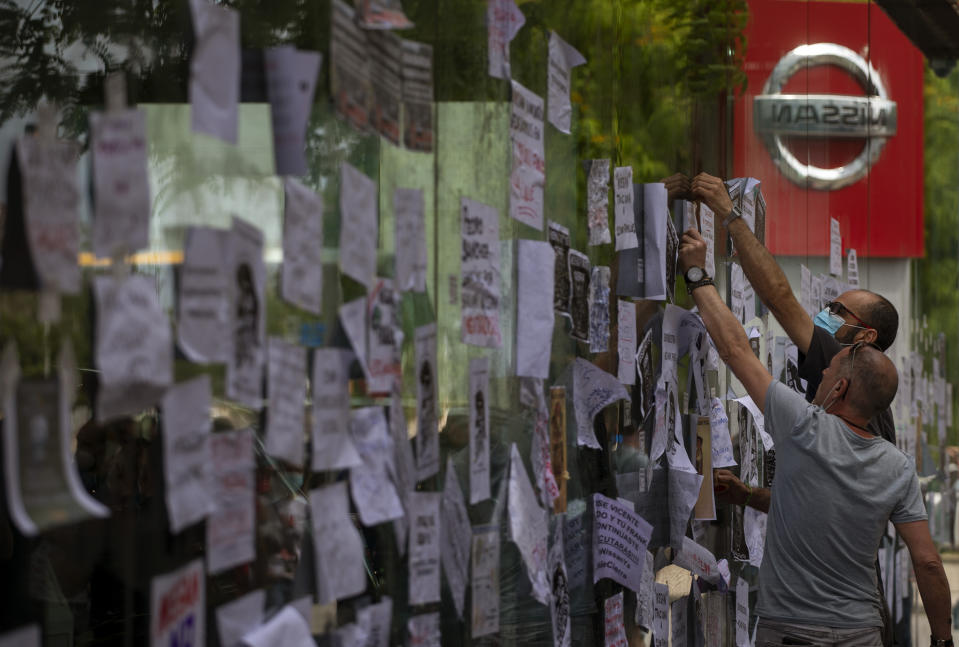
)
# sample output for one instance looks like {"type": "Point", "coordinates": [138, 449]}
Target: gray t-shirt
{"type": "Point", "coordinates": [833, 494]}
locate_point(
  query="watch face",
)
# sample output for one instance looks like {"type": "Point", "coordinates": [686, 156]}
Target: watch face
{"type": "Point", "coordinates": [694, 274]}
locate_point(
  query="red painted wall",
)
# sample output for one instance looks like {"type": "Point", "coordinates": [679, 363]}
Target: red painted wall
{"type": "Point", "coordinates": [881, 215]}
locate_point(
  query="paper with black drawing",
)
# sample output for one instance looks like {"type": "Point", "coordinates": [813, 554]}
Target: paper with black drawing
{"type": "Point", "coordinates": [244, 370]}
{"type": "Point", "coordinates": [427, 437]}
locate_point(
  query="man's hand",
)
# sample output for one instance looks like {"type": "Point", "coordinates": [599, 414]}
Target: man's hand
{"type": "Point", "coordinates": [712, 191]}
{"type": "Point", "coordinates": [692, 250]}
{"type": "Point", "coordinates": [728, 488]}
{"type": "Point", "coordinates": [677, 187]}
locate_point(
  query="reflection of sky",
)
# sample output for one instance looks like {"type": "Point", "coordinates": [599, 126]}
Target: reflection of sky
{"type": "Point", "coordinates": [199, 180]}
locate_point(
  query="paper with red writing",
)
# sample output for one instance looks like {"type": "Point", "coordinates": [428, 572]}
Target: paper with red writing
{"type": "Point", "coordinates": [480, 274]}
{"type": "Point", "coordinates": [424, 630]}
{"type": "Point", "coordinates": [534, 308]}
{"type": "Point", "coordinates": [215, 70]}
{"type": "Point", "coordinates": [620, 539]}
{"type": "Point", "coordinates": [528, 178]}
{"type": "Point", "coordinates": [615, 625]}
{"type": "Point", "coordinates": [384, 338]}
{"type": "Point", "coordinates": [698, 560]}
{"type": "Point", "coordinates": [50, 199]}
{"type": "Point", "coordinates": [528, 526]}
{"type": "Point", "coordinates": [121, 216]}
{"type": "Point", "coordinates": [597, 201]}
{"type": "Point", "coordinates": [177, 607]}
{"type": "Point", "coordinates": [231, 528]}
{"type": "Point", "coordinates": [503, 22]}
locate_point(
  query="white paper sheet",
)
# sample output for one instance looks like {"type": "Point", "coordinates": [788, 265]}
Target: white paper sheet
{"type": "Point", "coordinates": [244, 370]}
{"type": "Point", "coordinates": [742, 613]}
{"type": "Point", "coordinates": [620, 539]}
{"type": "Point", "coordinates": [485, 581]}
{"type": "Point", "coordinates": [50, 200]}
{"type": "Point", "coordinates": [353, 317]}
{"type": "Point", "coordinates": [835, 248]}
{"type": "Point", "coordinates": [661, 615]}
{"type": "Point", "coordinates": [178, 607]}
{"type": "Point", "coordinates": [186, 452]}
{"type": "Point", "coordinates": [503, 22]}
{"type": "Point", "coordinates": [384, 338]}
{"type": "Point", "coordinates": [480, 274]}
{"type": "Point", "coordinates": [134, 346]}
{"type": "Point", "coordinates": [410, 238]}
{"type": "Point", "coordinates": [338, 546]}
{"type": "Point", "coordinates": [358, 225]}
{"type": "Point", "coordinates": [597, 201]}
{"type": "Point", "coordinates": [479, 429]}
{"type": "Point", "coordinates": [118, 146]}
{"type": "Point", "coordinates": [286, 388]}
{"type": "Point", "coordinates": [427, 437]}
{"type": "Point", "coordinates": [562, 58]}
{"type": "Point", "coordinates": [424, 630]}
{"type": "Point", "coordinates": [373, 493]}
{"type": "Point", "coordinates": [534, 316]}
{"type": "Point", "coordinates": [754, 524]}
{"type": "Point", "coordinates": [615, 622]}
{"type": "Point", "coordinates": [684, 489]}
{"type": "Point", "coordinates": [290, 81]}
{"type": "Point", "coordinates": [707, 228]}
{"type": "Point", "coordinates": [528, 177]}
{"type": "Point", "coordinates": [43, 486]}
{"type": "Point", "coordinates": [215, 70]}
{"type": "Point", "coordinates": [626, 367]}
{"type": "Point", "coordinates": [28, 636]}
{"type": "Point", "coordinates": [287, 627]}
{"type": "Point", "coordinates": [455, 538]}
{"type": "Point", "coordinates": [332, 445]}
{"type": "Point", "coordinates": [722, 444]}
{"type": "Point", "coordinates": [376, 619]}
{"type": "Point", "coordinates": [852, 269]}
{"type": "Point", "coordinates": [559, 588]}
{"type": "Point", "coordinates": [758, 419]}
{"type": "Point", "coordinates": [301, 281]}
{"type": "Point", "coordinates": [528, 526]}
{"type": "Point", "coordinates": [203, 299]}
{"type": "Point", "coordinates": [654, 240]}
{"type": "Point", "coordinates": [698, 560]}
{"type": "Point", "coordinates": [593, 390]}
{"type": "Point", "coordinates": [644, 596]}
{"type": "Point", "coordinates": [231, 528]}
{"type": "Point", "coordinates": [623, 208]}
{"type": "Point", "coordinates": [239, 617]}
{"type": "Point", "coordinates": [540, 456]}
{"type": "Point", "coordinates": [423, 512]}
{"type": "Point", "coordinates": [599, 295]}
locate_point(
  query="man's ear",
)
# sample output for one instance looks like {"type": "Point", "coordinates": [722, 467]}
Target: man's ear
{"type": "Point", "coordinates": [841, 387]}
{"type": "Point", "coordinates": [869, 335]}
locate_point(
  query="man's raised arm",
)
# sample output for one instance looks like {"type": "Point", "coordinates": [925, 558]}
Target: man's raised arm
{"type": "Point", "coordinates": [723, 327]}
{"type": "Point", "coordinates": [759, 266]}
{"type": "Point", "coordinates": [930, 577]}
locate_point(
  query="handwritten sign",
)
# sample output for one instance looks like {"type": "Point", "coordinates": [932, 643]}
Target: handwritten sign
{"type": "Point", "coordinates": [623, 208]}
{"type": "Point", "coordinates": [528, 178]}
{"type": "Point", "coordinates": [423, 510]}
{"type": "Point", "coordinates": [177, 607]}
{"type": "Point", "coordinates": [383, 338]}
{"type": "Point", "coordinates": [615, 625]}
{"type": "Point", "coordinates": [424, 630]}
{"type": "Point", "coordinates": [597, 201]}
{"type": "Point", "coordinates": [480, 274]}
{"type": "Point", "coordinates": [620, 539]}
{"type": "Point", "coordinates": [186, 457]}
{"type": "Point", "coordinates": [286, 388]}
{"type": "Point", "coordinates": [231, 527]}
{"type": "Point", "coordinates": [503, 21]}
{"type": "Point", "coordinates": [479, 429]}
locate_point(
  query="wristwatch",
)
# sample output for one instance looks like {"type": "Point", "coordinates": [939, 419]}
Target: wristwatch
{"type": "Point", "coordinates": [736, 212]}
{"type": "Point", "coordinates": [934, 642]}
{"type": "Point", "coordinates": [696, 277]}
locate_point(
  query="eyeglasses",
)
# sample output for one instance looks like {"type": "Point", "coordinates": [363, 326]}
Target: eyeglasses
{"type": "Point", "coordinates": [837, 308]}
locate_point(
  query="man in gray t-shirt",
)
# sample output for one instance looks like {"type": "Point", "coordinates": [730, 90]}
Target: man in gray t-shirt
{"type": "Point", "coordinates": [836, 487]}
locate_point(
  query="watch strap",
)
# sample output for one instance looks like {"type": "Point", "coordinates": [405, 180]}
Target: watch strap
{"type": "Point", "coordinates": [733, 215]}
{"type": "Point", "coordinates": [698, 284]}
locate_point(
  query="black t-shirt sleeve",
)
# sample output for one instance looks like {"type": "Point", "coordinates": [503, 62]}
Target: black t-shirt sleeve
{"type": "Point", "coordinates": [822, 348]}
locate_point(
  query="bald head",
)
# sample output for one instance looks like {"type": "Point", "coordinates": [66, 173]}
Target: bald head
{"type": "Point", "coordinates": [873, 379]}
{"type": "Point", "coordinates": [876, 311]}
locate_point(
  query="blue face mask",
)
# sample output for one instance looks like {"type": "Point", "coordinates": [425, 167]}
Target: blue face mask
{"type": "Point", "coordinates": [829, 322]}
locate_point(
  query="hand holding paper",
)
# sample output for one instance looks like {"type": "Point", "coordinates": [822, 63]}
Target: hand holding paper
{"type": "Point", "coordinates": [677, 187]}
{"type": "Point", "coordinates": [712, 191]}
{"type": "Point", "coordinates": [692, 250]}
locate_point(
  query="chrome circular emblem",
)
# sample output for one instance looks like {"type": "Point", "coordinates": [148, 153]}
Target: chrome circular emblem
{"type": "Point", "coordinates": [871, 117]}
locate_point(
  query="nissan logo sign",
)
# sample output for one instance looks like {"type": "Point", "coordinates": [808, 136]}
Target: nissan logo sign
{"type": "Point", "coordinates": [871, 117]}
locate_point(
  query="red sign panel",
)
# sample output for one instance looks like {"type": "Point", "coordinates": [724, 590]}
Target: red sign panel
{"type": "Point", "coordinates": [881, 214]}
